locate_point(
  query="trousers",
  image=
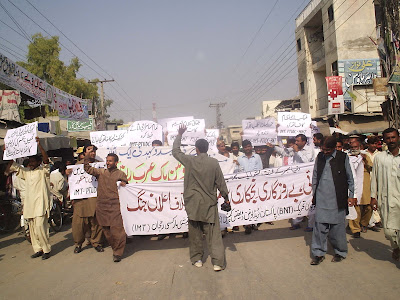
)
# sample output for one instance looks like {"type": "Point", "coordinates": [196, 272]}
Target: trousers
{"type": "Point", "coordinates": [83, 225]}
{"type": "Point", "coordinates": [39, 232]}
{"type": "Point", "coordinates": [364, 213]}
{"type": "Point", "coordinates": [337, 237]}
{"type": "Point", "coordinates": [215, 245]}
{"type": "Point", "coordinates": [116, 237]}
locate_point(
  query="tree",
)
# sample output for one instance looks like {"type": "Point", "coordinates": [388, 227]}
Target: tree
{"type": "Point", "coordinates": [43, 60]}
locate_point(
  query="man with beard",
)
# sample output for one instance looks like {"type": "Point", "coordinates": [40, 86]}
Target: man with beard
{"type": "Point", "coordinates": [385, 188]}
{"type": "Point", "coordinates": [84, 220]}
{"type": "Point", "coordinates": [37, 202]}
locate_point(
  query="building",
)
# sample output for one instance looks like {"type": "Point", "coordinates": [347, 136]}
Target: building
{"type": "Point", "coordinates": [334, 38]}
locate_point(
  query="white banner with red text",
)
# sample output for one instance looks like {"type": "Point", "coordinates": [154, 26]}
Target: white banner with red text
{"type": "Point", "coordinates": [256, 197]}
{"type": "Point", "coordinates": [154, 164]}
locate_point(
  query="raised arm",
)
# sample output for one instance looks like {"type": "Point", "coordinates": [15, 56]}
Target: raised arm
{"type": "Point", "coordinates": [43, 152]}
{"type": "Point", "coordinates": [87, 167]}
{"type": "Point", "coordinates": [176, 148]}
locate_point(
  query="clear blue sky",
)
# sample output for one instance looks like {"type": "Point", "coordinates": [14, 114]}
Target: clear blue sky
{"type": "Point", "coordinates": [182, 55]}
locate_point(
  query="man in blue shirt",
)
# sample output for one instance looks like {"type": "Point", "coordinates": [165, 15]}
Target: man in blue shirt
{"type": "Point", "coordinates": [248, 162]}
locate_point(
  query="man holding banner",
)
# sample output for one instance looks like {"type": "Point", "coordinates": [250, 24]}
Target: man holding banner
{"type": "Point", "coordinates": [37, 204]}
{"type": "Point", "coordinates": [203, 176]}
{"type": "Point", "coordinates": [84, 219]}
{"type": "Point", "coordinates": [108, 212]}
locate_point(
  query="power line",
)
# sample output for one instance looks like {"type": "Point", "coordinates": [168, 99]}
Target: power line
{"type": "Point", "coordinates": [254, 37]}
{"type": "Point", "coordinates": [129, 97]}
{"type": "Point", "coordinates": [272, 85]}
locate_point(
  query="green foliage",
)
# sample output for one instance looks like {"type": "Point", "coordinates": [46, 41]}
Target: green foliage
{"type": "Point", "coordinates": [43, 60]}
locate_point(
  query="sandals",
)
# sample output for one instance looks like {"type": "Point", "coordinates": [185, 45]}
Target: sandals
{"type": "Point", "coordinates": [317, 260]}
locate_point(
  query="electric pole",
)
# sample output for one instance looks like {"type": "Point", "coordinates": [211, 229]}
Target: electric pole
{"type": "Point", "coordinates": [217, 107]}
{"type": "Point", "coordinates": [154, 112]}
{"type": "Point", "coordinates": [102, 121]}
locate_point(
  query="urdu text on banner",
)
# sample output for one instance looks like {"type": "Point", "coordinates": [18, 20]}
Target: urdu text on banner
{"type": "Point", "coordinates": [15, 76]}
{"type": "Point", "coordinates": [21, 141]}
{"type": "Point", "coordinates": [256, 197]}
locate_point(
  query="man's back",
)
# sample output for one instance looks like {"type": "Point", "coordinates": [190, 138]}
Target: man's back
{"type": "Point", "coordinates": [203, 176]}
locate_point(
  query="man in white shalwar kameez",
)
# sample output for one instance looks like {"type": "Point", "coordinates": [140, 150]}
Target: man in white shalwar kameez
{"type": "Point", "coordinates": [37, 202]}
{"type": "Point", "coordinates": [385, 188]}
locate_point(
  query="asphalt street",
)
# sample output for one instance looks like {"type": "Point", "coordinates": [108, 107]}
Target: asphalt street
{"type": "Point", "coordinates": [272, 263]}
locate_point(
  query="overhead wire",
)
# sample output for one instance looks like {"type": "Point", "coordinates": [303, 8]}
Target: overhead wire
{"type": "Point", "coordinates": [134, 102]}
{"type": "Point", "coordinates": [49, 35]}
{"type": "Point", "coordinates": [279, 80]}
{"type": "Point", "coordinates": [258, 85]}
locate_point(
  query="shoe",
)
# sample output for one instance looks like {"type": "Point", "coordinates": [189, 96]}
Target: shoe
{"type": "Point", "coordinates": [235, 228]}
{"type": "Point", "coordinates": [364, 229]}
{"type": "Point", "coordinates": [337, 258]}
{"type": "Point", "coordinates": [116, 258]}
{"type": "Point", "coordinates": [223, 232]}
{"type": "Point", "coordinates": [217, 268]}
{"type": "Point", "coordinates": [99, 248]}
{"type": "Point", "coordinates": [77, 249]}
{"type": "Point", "coordinates": [308, 229]}
{"type": "Point", "coordinates": [198, 264]}
{"type": "Point", "coordinates": [294, 227]}
{"type": "Point", "coordinates": [45, 256]}
{"type": "Point", "coordinates": [270, 223]}
{"type": "Point", "coordinates": [356, 235]}
{"type": "Point", "coordinates": [247, 229]}
{"type": "Point", "coordinates": [255, 227]}
{"type": "Point", "coordinates": [396, 254]}
{"type": "Point", "coordinates": [161, 237]}
{"type": "Point", "coordinates": [185, 235]}
{"type": "Point", "coordinates": [37, 254]}
{"type": "Point", "coordinates": [317, 260]}
{"type": "Point", "coordinates": [374, 228]}
{"type": "Point", "coordinates": [379, 225]}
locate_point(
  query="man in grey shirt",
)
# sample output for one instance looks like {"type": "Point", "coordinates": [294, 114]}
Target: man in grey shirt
{"type": "Point", "coordinates": [203, 176]}
{"type": "Point", "coordinates": [333, 187]}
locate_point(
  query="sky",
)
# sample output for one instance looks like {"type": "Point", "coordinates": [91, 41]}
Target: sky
{"type": "Point", "coordinates": [181, 55]}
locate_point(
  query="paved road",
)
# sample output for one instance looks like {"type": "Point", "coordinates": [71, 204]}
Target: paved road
{"type": "Point", "coordinates": [272, 263]}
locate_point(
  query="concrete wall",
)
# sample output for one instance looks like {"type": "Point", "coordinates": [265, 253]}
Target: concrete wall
{"type": "Point", "coordinates": [346, 37]}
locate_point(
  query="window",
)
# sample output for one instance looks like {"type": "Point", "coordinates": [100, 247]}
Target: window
{"type": "Point", "coordinates": [298, 45]}
{"type": "Point", "coordinates": [330, 13]}
{"type": "Point", "coordinates": [302, 87]}
{"type": "Point", "coordinates": [335, 69]}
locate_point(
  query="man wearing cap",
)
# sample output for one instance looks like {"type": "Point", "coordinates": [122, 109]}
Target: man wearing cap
{"type": "Point", "coordinates": [84, 219]}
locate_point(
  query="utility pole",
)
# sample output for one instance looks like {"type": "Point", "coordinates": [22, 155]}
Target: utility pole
{"type": "Point", "coordinates": [217, 106]}
{"type": "Point", "coordinates": [103, 111]}
{"type": "Point", "coordinates": [154, 112]}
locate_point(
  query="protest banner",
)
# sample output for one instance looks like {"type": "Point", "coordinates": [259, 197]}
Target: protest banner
{"type": "Point", "coordinates": [81, 184]}
{"type": "Point", "coordinates": [154, 164]}
{"type": "Point", "coordinates": [256, 197]}
{"type": "Point", "coordinates": [9, 101]}
{"type": "Point", "coordinates": [294, 123]}
{"type": "Point", "coordinates": [212, 136]}
{"type": "Point", "coordinates": [21, 142]}
{"type": "Point", "coordinates": [195, 129]}
{"type": "Point", "coordinates": [142, 133]}
{"type": "Point", "coordinates": [164, 122]}
{"type": "Point", "coordinates": [70, 107]}
{"type": "Point", "coordinates": [260, 132]}
{"type": "Point", "coordinates": [109, 139]}
{"type": "Point", "coordinates": [20, 79]}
